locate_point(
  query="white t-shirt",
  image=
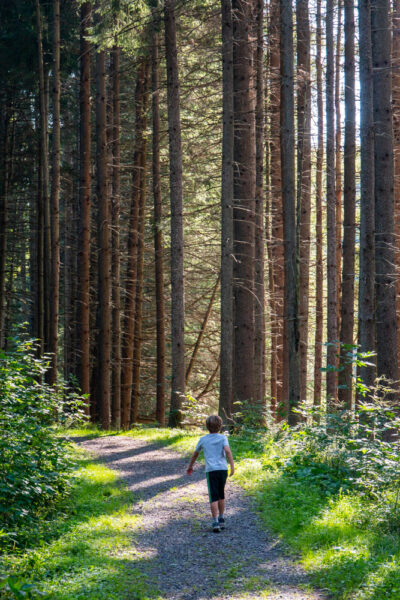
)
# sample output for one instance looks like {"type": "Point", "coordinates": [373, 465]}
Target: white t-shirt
{"type": "Point", "coordinates": [213, 445]}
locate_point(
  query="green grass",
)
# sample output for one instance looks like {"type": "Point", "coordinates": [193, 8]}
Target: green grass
{"type": "Point", "coordinates": [87, 549]}
{"type": "Point", "coordinates": [343, 541]}
{"type": "Point", "coordinates": [181, 440]}
{"type": "Point", "coordinates": [346, 542]}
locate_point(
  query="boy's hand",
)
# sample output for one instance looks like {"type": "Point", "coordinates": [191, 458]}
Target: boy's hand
{"type": "Point", "coordinates": [232, 472]}
{"type": "Point", "coordinates": [189, 471]}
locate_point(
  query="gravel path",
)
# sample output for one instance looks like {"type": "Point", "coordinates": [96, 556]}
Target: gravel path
{"type": "Point", "coordinates": [177, 550]}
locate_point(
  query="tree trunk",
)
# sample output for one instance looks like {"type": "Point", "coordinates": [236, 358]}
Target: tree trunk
{"type": "Point", "coordinates": [272, 320]}
{"type": "Point", "coordinates": [259, 306]}
{"type": "Point", "coordinates": [289, 200]}
{"type": "Point", "coordinates": [43, 245]}
{"type": "Point", "coordinates": [332, 334]}
{"type": "Point", "coordinates": [158, 237]}
{"type": "Point", "coordinates": [47, 267]}
{"type": "Point", "coordinates": [104, 302]}
{"type": "Point", "coordinates": [396, 151]}
{"type": "Point", "coordinates": [338, 160]}
{"type": "Point", "coordinates": [34, 241]}
{"type": "Point", "coordinates": [4, 214]}
{"type": "Point", "coordinates": [226, 370]}
{"type": "Point", "coordinates": [347, 300]}
{"type": "Point", "coordinates": [303, 180]}
{"type": "Point", "coordinates": [277, 242]}
{"type": "Point", "coordinates": [131, 272]}
{"type": "Point", "coordinates": [137, 346]}
{"type": "Point", "coordinates": [39, 299]}
{"type": "Point", "coordinates": [366, 293]}
{"type": "Point", "coordinates": [55, 198]}
{"type": "Point", "coordinates": [386, 330]}
{"type": "Point", "coordinates": [176, 194]}
{"type": "Point", "coordinates": [68, 277]}
{"type": "Point", "coordinates": [116, 269]}
{"type": "Point", "coordinates": [244, 205]}
{"type": "Point", "coordinates": [319, 275]}
{"type": "Point", "coordinates": [84, 201]}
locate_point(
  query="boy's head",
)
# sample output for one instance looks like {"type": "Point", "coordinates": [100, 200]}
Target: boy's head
{"type": "Point", "coordinates": [214, 423]}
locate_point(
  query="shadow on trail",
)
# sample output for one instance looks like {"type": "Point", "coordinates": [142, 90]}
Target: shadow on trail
{"type": "Point", "coordinates": [140, 474]}
{"type": "Point", "coordinates": [228, 562]}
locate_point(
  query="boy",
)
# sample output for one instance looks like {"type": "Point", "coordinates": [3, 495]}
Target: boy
{"type": "Point", "coordinates": [216, 450]}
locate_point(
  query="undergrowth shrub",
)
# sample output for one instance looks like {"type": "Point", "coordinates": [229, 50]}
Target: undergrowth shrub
{"type": "Point", "coordinates": [35, 464]}
{"type": "Point", "coordinates": [343, 450]}
{"type": "Point", "coordinates": [347, 450]}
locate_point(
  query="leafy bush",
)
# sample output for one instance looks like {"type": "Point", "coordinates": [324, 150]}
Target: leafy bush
{"type": "Point", "coordinates": [16, 587]}
{"type": "Point", "coordinates": [34, 463]}
{"type": "Point", "coordinates": [195, 411]}
{"type": "Point", "coordinates": [343, 453]}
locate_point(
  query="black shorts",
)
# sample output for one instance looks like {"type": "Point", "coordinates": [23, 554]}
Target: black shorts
{"type": "Point", "coordinates": [216, 485]}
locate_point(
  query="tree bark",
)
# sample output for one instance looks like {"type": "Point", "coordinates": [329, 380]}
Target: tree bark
{"type": "Point", "coordinates": [158, 237]}
{"type": "Point", "coordinates": [277, 241]}
{"type": "Point", "coordinates": [271, 291]}
{"type": "Point", "coordinates": [303, 180]}
{"type": "Point", "coordinates": [332, 333]}
{"type": "Point", "coordinates": [84, 201]}
{"type": "Point", "coordinates": [259, 307]}
{"type": "Point", "coordinates": [137, 347]}
{"type": "Point", "coordinates": [34, 238]}
{"type": "Point", "coordinates": [396, 151]}
{"type": "Point", "coordinates": [319, 275]}
{"type": "Point", "coordinates": [176, 195]}
{"type": "Point", "coordinates": [244, 203]}
{"type": "Point", "coordinates": [116, 267]}
{"type": "Point", "coordinates": [4, 214]}
{"type": "Point", "coordinates": [131, 272]}
{"type": "Point", "coordinates": [347, 300]}
{"type": "Point", "coordinates": [226, 352]}
{"type": "Point", "coordinates": [366, 293]}
{"type": "Point", "coordinates": [47, 256]}
{"type": "Point", "coordinates": [55, 199]}
{"type": "Point", "coordinates": [43, 242]}
{"type": "Point", "coordinates": [338, 161]}
{"type": "Point", "coordinates": [386, 330]}
{"type": "Point", "coordinates": [289, 200]}
{"type": "Point", "coordinates": [70, 275]}
{"type": "Point", "coordinates": [104, 297]}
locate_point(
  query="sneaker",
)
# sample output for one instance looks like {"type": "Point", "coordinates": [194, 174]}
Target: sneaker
{"type": "Point", "coordinates": [215, 527]}
{"type": "Point", "coordinates": [221, 522]}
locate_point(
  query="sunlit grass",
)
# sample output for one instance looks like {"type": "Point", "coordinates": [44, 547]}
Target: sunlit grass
{"type": "Point", "coordinates": [88, 550]}
{"type": "Point", "coordinates": [341, 544]}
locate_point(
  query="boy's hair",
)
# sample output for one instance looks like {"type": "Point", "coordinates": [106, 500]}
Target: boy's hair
{"type": "Point", "coordinates": [214, 423]}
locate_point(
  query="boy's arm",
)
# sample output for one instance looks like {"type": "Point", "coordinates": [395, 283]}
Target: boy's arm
{"type": "Point", "coordinates": [189, 470]}
{"type": "Point", "coordinates": [230, 459]}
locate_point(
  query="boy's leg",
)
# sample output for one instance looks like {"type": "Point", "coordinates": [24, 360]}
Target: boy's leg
{"type": "Point", "coordinates": [221, 506]}
{"type": "Point", "coordinates": [221, 501]}
{"type": "Point", "coordinates": [214, 509]}
{"type": "Point", "coordinates": [213, 497]}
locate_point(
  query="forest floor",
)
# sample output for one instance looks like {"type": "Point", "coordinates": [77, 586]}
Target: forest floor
{"type": "Point", "coordinates": [175, 549]}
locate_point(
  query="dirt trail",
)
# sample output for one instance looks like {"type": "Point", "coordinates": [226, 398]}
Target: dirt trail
{"type": "Point", "coordinates": [175, 546]}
